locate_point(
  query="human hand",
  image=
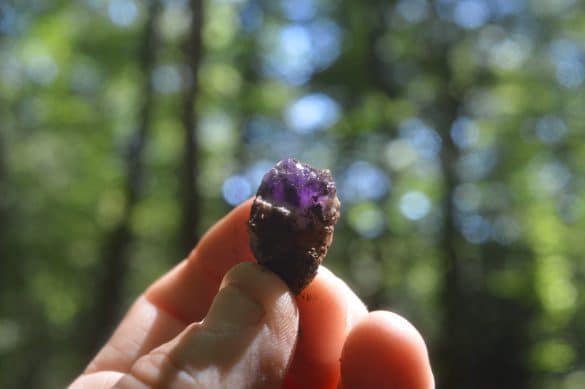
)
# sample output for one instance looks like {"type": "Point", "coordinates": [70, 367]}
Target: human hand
{"type": "Point", "coordinates": [218, 320]}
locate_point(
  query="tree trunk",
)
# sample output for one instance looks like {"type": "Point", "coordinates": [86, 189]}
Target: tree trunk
{"type": "Point", "coordinates": [452, 294]}
{"type": "Point", "coordinates": [4, 254]}
{"type": "Point", "coordinates": [189, 176]}
{"type": "Point", "coordinates": [114, 262]}
{"type": "Point", "coordinates": [476, 325]}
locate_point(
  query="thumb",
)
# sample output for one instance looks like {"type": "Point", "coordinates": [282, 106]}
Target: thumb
{"type": "Point", "coordinates": [246, 340]}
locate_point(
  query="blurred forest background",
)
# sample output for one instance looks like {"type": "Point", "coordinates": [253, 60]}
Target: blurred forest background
{"type": "Point", "coordinates": [455, 130]}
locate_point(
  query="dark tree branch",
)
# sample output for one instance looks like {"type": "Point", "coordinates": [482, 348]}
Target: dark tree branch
{"type": "Point", "coordinates": [189, 174]}
{"type": "Point", "coordinates": [452, 298]}
{"type": "Point", "coordinates": [114, 262]}
{"type": "Point", "coordinates": [3, 216]}
{"type": "Point", "coordinates": [467, 346]}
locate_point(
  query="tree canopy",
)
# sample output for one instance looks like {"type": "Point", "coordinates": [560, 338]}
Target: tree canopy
{"type": "Point", "coordinates": [455, 130]}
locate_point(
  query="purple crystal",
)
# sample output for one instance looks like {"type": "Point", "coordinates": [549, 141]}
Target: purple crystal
{"type": "Point", "coordinates": [292, 219]}
{"type": "Point", "coordinates": [301, 188]}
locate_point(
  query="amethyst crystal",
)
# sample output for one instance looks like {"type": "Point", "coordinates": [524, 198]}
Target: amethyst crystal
{"type": "Point", "coordinates": [292, 219]}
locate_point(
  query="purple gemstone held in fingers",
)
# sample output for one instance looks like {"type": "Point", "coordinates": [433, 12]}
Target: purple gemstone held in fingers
{"type": "Point", "coordinates": [292, 221]}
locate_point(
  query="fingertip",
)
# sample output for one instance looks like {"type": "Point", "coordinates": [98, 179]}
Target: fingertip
{"type": "Point", "coordinates": [266, 288]}
{"type": "Point", "coordinates": [226, 243]}
{"type": "Point", "coordinates": [263, 336]}
{"type": "Point", "coordinates": [385, 351]}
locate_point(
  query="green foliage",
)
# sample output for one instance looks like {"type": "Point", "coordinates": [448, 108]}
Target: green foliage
{"type": "Point", "coordinates": [456, 138]}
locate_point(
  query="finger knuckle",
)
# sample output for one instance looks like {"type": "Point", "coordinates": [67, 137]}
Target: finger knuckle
{"type": "Point", "coordinates": [159, 369]}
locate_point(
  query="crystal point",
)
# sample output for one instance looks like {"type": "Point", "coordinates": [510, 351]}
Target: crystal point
{"type": "Point", "coordinates": [292, 219]}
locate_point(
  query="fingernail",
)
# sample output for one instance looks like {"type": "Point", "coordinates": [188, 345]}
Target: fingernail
{"type": "Point", "coordinates": [233, 309]}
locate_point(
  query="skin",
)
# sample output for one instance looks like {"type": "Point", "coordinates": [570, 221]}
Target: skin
{"type": "Point", "coordinates": [219, 320]}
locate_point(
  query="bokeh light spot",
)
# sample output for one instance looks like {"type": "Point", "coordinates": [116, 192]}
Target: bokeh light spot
{"type": "Point", "coordinates": [288, 58]}
{"type": "Point", "coordinates": [256, 172]}
{"type": "Point", "coordinates": [551, 129]}
{"type": "Point", "coordinates": [312, 112]}
{"type": "Point", "coordinates": [42, 69]}
{"type": "Point", "coordinates": [413, 11]}
{"type": "Point", "coordinates": [325, 43]}
{"type": "Point", "coordinates": [295, 51]}
{"type": "Point", "coordinates": [421, 137]}
{"type": "Point", "coordinates": [508, 7]}
{"type": "Point", "coordinates": [364, 181]}
{"type": "Point", "coordinates": [465, 133]}
{"type": "Point", "coordinates": [510, 53]}
{"type": "Point", "coordinates": [175, 20]}
{"type": "Point", "coordinates": [167, 79]}
{"type": "Point", "coordinates": [9, 19]}
{"type": "Point", "coordinates": [475, 228]}
{"type": "Point", "coordinates": [122, 12]}
{"type": "Point", "coordinates": [236, 189]}
{"type": "Point", "coordinates": [471, 14]}
{"type": "Point", "coordinates": [570, 74]}
{"type": "Point", "coordinates": [568, 59]}
{"type": "Point", "coordinates": [251, 17]}
{"type": "Point", "coordinates": [366, 219]}
{"type": "Point", "coordinates": [400, 154]}
{"type": "Point", "coordinates": [299, 10]}
{"type": "Point", "coordinates": [216, 131]}
{"type": "Point", "coordinates": [415, 205]}
{"type": "Point", "coordinates": [552, 177]}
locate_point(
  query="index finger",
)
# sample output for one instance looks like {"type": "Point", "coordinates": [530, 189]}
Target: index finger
{"type": "Point", "coordinates": [180, 297]}
{"type": "Point", "coordinates": [186, 291]}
